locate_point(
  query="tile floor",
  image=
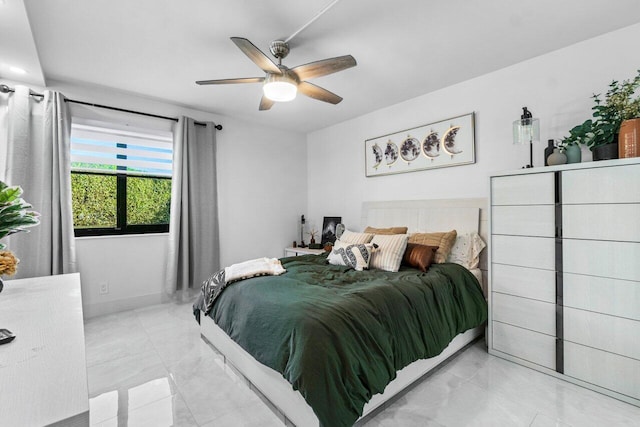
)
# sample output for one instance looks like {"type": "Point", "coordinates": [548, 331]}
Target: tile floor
{"type": "Point", "coordinates": [149, 367]}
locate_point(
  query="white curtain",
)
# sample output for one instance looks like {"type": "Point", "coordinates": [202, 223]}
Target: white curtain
{"type": "Point", "coordinates": [38, 160]}
{"type": "Point", "coordinates": [193, 228]}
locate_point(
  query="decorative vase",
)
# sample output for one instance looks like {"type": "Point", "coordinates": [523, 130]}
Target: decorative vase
{"type": "Point", "coordinates": [556, 158]}
{"type": "Point", "coordinates": [573, 153]}
{"type": "Point", "coordinates": [606, 151]}
{"type": "Point", "coordinates": [629, 139]}
{"type": "Point", "coordinates": [548, 151]}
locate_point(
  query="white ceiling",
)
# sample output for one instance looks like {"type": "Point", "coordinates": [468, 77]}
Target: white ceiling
{"type": "Point", "coordinates": [404, 48]}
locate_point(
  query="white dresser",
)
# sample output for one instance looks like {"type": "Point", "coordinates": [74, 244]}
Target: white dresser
{"type": "Point", "coordinates": [565, 273]}
{"type": "Point", "coordinates": [43, 376]}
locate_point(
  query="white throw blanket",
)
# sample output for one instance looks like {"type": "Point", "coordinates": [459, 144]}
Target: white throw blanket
{"type": "Point", "coordinates": [252, 268]}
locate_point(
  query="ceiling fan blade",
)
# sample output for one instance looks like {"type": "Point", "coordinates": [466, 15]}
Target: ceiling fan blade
{"type": "Point", "coordinates": [256, 55]}
{"type": "Point", "coordinates": [316, 92]}
{"type": "Point", "coordinates": [231, 81]}
{"type": "Point", "coordinates": [324, 67]}
{"type": "Point", "coordinates": [265, 103]}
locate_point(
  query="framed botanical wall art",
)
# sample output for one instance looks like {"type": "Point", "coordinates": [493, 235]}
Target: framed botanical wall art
{"type": "Point", "coordinates": [441, 144]}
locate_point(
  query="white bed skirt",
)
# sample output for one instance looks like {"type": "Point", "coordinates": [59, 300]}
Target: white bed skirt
{"type": "Point", "coordinates": [289, 404]}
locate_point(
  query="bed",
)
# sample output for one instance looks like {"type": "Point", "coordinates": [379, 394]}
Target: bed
{"type": "Point", "coordinates": [327, 345]}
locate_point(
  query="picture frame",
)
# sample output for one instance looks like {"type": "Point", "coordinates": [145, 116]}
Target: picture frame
{"type": "Point", "coordinates": [329, 224]}
{"type": "Point", "coordinates": [449, 142]}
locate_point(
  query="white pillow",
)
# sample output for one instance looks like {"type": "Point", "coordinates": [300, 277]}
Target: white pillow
{"type": "Point", "coordinates": [356, 256]}
{"type": "Point", "coordinates": [466, 250]}
{"type": "Point", "coordinates": [355, 238]}
{"type": "Point", "coordinates": [390, 251]}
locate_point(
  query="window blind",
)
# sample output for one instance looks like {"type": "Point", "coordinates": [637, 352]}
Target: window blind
{"type": "Point", "coordinates": [105, 150]}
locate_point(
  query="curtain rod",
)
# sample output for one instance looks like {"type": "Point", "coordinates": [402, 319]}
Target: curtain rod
{"type": "Point", "coordinates": [175, 119]}
{"type": "Point", "coordinates": [7, 89]}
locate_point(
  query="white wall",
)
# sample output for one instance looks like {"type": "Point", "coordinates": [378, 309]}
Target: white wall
{"type": "Point", "coordinates": [261, 190]}
{"type": "Point", "coordinates": [556, 87]}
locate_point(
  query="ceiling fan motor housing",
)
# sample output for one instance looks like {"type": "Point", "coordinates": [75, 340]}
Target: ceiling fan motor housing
{"type": "Point", "coordinates": [279, 49]}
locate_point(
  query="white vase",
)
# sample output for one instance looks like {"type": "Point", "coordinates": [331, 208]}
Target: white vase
{"type": "Point", "coordinates": [556, 158]}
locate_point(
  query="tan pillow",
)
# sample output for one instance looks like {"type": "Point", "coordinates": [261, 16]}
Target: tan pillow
{"type": "Point", "coordinates": [390, 230]}
{"type": "Point", "coordinates": [443, 240]}
{"type": "Point", "coordinates": [419, 256]}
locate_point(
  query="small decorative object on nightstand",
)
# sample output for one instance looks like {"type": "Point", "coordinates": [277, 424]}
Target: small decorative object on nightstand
{"type": "Point", "coordinates": [329, 228]}
{"type": "Point", "coordinates": [302, 222]}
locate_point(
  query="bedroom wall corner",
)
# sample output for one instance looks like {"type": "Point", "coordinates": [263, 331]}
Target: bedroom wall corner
{"type": "Point", "coordinates": [262, 190]}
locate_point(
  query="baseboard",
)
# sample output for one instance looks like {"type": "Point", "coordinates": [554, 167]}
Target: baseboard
{"type": "Point", "coordinates": [115, 306]}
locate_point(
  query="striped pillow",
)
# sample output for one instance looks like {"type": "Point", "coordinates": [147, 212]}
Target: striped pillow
{"type": "Point", "coordinates": [390, 250]}
{"type": "Point", "coordinates": [355, 238]}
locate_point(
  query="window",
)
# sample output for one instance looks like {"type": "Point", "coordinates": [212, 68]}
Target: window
{"type": "Point", "coordinates": [120, 180]}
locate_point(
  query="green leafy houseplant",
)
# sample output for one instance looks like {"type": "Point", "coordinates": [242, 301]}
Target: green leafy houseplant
{"type": "Point", "coordinates": [15, 215]}
{"type": "Point", "coordinates": [620, 103]}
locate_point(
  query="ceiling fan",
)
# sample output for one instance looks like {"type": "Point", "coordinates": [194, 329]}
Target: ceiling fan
{"type": "Point", "coordinates": [282, 83]}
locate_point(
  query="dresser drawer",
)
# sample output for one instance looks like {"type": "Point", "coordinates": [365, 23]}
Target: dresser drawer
{"type": "Point", "coordinates": [524, 282]}
{"type": "Point", "coordinates": [616, 184]}
{"type": "Point", "coordinates": [609, 333]}
{"type": "Point", "coordinates": [602, 295]}
{"type": "Point", "coordinates": [528, 345]}
{"type": "Point", "coordinates": [536, 252]}
{"type": "Point", "coordinates": [617, 260]}
{"type": "Point", "coordinates": [523, 312]}
{"type": "Point", "coordinates": [602, 222]}
{"type": "Point", "coordinates": [611, 371]}
{"type": "Point", "coordinates": [537, 220]}
{"type": "Point", "coordinates": [533, 189]}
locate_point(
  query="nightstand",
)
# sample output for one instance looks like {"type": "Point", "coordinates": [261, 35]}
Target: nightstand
{"type": "Point", "coordinates": [302, 251]}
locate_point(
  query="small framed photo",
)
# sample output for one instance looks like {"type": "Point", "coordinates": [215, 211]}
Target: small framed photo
{"type": "Point", "coordinates": [329, 228]}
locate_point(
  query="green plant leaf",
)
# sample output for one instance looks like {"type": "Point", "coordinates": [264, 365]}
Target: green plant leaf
{"type": "Point", "coordinates": [9, 194]}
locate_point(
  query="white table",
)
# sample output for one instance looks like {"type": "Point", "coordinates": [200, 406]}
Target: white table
{"type": "Point", "coordinates": [43, 375]}
{"type": "Point", "coordinates": [301, 251]}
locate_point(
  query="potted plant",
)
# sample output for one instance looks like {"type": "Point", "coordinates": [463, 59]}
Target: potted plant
{"type": "Point", "coordinates": [15, 217]}
{"type": "Point", "coordinates": [600, 134]}
{"type": "Point", "coordinates": [623, 100]}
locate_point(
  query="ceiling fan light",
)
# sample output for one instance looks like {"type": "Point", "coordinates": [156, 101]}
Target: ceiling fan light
{"type": "Point", "coordinates": [280, 88]}
{"type": "Point", "coordinates": [280, 91]}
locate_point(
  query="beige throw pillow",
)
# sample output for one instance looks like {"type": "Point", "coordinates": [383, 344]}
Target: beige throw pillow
{"type": "Point", "coordinates": [390, 230]}
{"type": "Point", "coordinates": [389, 251]}
{"type": "Point", "coordinates": [355, 238]}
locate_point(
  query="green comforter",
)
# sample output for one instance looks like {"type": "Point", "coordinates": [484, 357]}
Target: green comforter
{"type": "Point", "coordinates": [339, 335]}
